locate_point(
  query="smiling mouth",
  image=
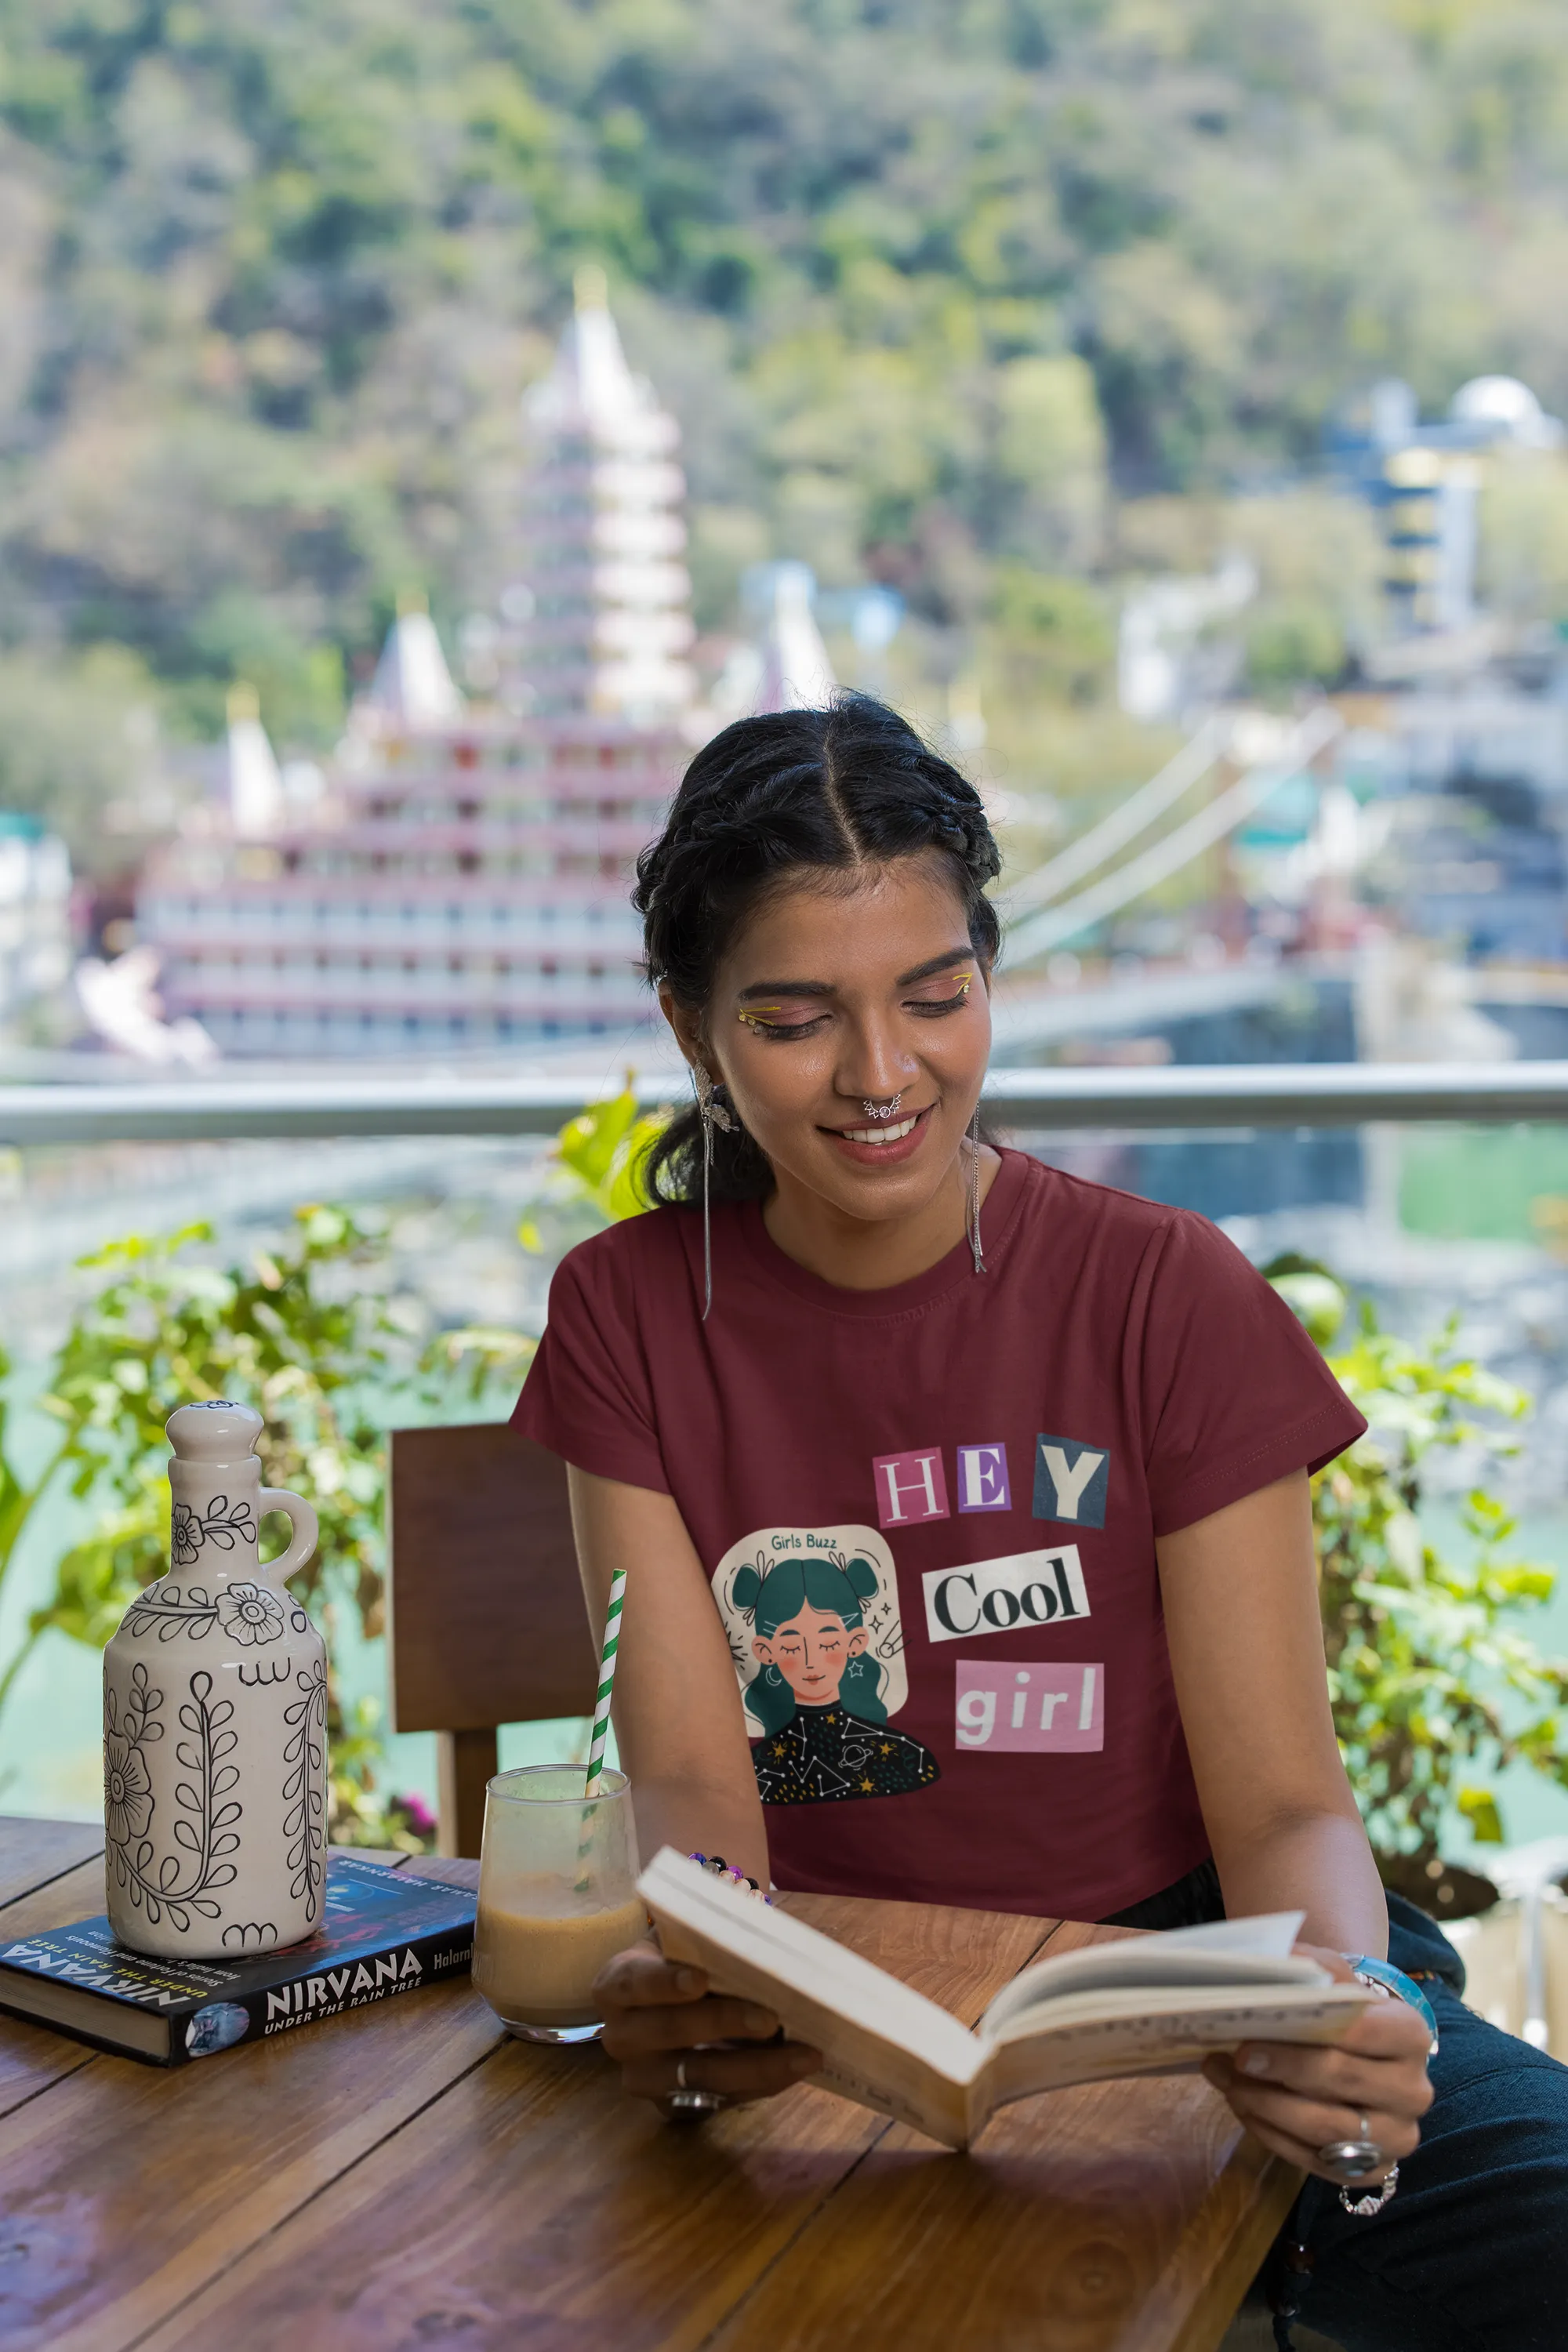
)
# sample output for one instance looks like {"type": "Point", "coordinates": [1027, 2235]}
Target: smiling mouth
{"type": "Point", "coordinates": [879, 1135]}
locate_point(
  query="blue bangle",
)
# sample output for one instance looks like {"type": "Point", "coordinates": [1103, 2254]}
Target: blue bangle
{"type": "Point", "coordinates": [1403, 1988]}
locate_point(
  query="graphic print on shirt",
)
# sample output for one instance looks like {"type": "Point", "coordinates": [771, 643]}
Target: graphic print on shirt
{"type": "Point", "coordinates": [1024, 1704]}
{"type": "Point", "coordinates": [910, 1487]}
{"type": "Point", "coordinates": [816, 1637]}
{"type": "Point", "coordinates": [983, 1478]}
{"type": "Point", "coordinates": [1070, 1480]}
{"type": "Point", "coordinates": [992, 1596]}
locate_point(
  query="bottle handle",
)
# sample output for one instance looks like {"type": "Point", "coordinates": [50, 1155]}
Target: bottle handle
{"type": "Point", "coordinates": [303, 1517]}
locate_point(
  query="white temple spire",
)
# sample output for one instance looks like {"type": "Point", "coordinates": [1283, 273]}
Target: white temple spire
{"type": "Point", "coordinates": [412, 684]}
{"type": "Point", "coordinates": [608, 596]}
{"type": "Point", "coordinates": [255, 785]}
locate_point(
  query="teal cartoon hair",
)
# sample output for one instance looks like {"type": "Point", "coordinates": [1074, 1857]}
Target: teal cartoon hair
{"type": "Point", "coordinates": [838, 1589]}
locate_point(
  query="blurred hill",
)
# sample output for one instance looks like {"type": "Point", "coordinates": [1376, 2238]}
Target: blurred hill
{"type": "Point", "coordinates": [992, 300]}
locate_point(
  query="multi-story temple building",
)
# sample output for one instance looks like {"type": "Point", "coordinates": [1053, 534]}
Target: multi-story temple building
{"type": "Point", "coordinates": [461, 882]}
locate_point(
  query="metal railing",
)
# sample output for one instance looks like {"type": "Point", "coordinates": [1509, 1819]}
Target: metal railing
{"type": "Point", "coordinates": [1276, 1095]}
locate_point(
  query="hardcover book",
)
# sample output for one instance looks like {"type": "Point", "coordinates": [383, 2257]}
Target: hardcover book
{"type": "Point", "coordinates": [1146, 2004]}
{"type": "Point", "coordinates": [385, 1932]}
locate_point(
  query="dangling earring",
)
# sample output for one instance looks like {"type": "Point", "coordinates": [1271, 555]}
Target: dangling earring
{"type": "Point", "coordinates": [712, 1114]}
{"type": "Point", "coordinates": [978, 1254]}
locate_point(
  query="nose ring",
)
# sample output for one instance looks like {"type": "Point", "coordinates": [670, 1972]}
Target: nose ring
{"type": "Point", "coordinates": [883, 1110]}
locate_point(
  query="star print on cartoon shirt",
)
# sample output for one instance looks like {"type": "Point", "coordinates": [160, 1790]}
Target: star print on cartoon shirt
{"type": "Point", "coordinates": [824, 1755]}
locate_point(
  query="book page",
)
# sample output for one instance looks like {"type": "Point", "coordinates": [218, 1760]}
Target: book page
{"type": "Point", "coordinates": [886, 2045]}
{"type": "Point", "coordinates": [1102, 2035]}
{"type": "Point", "coordinates": [1227, 1951]}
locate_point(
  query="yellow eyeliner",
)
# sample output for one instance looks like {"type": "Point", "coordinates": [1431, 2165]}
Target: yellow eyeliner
{"type": "Point", "coordinates": [756, 1016]}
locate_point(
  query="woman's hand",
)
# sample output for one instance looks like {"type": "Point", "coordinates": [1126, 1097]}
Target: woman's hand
{"type": "Point", "coordinates": [1296, 2098]}
{"type": "Point", "coordinates": [659, 2015]}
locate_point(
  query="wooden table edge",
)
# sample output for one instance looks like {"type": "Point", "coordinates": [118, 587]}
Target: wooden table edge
{"type": "Point", "coordinates": [1276, 2186]}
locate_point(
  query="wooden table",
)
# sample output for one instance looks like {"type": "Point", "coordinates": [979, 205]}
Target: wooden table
{"type": "Point", "coordinates": [406, 2177]}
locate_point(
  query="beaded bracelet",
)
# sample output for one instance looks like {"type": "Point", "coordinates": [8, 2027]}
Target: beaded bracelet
{"type": "Point", "coordinates": [717, 1868]}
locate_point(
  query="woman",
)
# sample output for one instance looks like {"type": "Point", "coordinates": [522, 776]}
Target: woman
{"type": "Point", "coordinates": [1069, 1432]}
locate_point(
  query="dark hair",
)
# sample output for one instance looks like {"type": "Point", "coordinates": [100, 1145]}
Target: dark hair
{"type": "Point", "coordinates": [837, 1587]}
{"type": "Point", "coordinates": [828, 789]}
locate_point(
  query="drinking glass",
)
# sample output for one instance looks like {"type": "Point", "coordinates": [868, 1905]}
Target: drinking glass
{"type": "Point", "coordinates": [557, 1897]}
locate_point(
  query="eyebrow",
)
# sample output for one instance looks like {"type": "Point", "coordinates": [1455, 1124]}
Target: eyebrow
{"type": "Point", "coordinates": [821, 988]}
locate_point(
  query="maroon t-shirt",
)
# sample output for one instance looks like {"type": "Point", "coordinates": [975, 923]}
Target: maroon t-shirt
{"type": "Point", "coordinates": [928, 1515]}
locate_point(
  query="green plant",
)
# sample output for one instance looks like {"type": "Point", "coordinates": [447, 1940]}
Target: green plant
{"type": "Point", "coordinates": [305, 1335]}
{"type": "Point", "coordinates": [591, 1180]}
{"type": "Point", "coordinates": [595, 1175]}
{"type": "Point", "coordinates": [1433, 1689]}
{"type": "Point", "coordinates": [602, 1147]}
{"type": "Point", "coordinates": [1051, 634]}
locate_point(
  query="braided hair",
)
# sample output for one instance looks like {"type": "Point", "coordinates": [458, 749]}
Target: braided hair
{"type": "Point", "coordinates": [824, 790]}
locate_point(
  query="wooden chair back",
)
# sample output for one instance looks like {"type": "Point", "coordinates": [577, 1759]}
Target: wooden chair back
{"type": "Point", "coordinates": [485, 1622]}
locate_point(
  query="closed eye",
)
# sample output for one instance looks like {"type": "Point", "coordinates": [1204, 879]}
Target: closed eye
{"type": "Point", "coordinates": [791, 1020]}
{"type": "Point", "coordinates": [937, 1005]}
{"type": "Point", "coordinates": [780, 1023]}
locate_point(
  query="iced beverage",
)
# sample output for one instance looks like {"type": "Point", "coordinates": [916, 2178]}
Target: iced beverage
{"type": "Point", "coordinates": [557, 1897]}
{"type": "Point", "coordinates": [536, 1966]}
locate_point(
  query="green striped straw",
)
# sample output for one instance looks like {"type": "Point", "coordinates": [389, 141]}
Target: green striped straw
{"type": "Point", "coordinates": [607, 1683]}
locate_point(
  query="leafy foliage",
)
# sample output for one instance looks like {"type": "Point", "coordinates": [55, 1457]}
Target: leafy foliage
{"type": "Point", "coordinates": [168, 1329]}
{"type": "Point", "coordinates": [602, 1147]}
{"type": "Point", "coordinates": [922, 282]}
{"type": "Point", "coordinates": [307, 1335]}
{"type": "Point", "coordinates": [1435, 1689]}
{"type": "Point", "coordinates": [302, 1334]}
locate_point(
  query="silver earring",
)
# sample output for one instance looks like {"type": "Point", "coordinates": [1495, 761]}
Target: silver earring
{"type": "Point", "coordinates": [712, 1114]}
{"type": "Point", "coordinates": [977, 1253]}
{"type": "Point", "coordinates": [882, 1111]}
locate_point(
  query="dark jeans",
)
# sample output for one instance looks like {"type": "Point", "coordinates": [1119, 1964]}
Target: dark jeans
{"type": "Point", "coordinates": [1471, 2254]}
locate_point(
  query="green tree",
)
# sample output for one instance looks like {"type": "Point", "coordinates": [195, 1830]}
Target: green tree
{"type": "Point", "coordinates": [273, 279]}
{"type": "Point", "coordinates": [79, 748]}
{"type": "Point", "coordinates": [1051, 638]}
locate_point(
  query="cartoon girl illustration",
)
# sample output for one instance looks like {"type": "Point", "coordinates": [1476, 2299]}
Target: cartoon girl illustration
{"type": "Point", "coordinates": [826, 1734]}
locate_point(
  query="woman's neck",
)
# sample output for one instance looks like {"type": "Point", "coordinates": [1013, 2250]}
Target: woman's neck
{"type": "Point", "coordinates": [864, 1254]}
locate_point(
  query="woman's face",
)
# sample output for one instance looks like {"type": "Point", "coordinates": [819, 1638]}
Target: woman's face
{"type": "Point", "coordinates": [811, 1653]}
{"type": "Point", "coordinates": [842, 991]}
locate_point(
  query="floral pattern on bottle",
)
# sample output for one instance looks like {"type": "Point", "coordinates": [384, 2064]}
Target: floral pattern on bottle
{"type": "Point", "coordinates": [215, 1745]}
{"type": "Point", "coordinates": [223, 1524]}
{"type": "Point", "coordinates": [205, 1827]}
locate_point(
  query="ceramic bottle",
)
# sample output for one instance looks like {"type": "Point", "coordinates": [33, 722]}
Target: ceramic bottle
{"type": "Point", "coordinates": [215, 1718]}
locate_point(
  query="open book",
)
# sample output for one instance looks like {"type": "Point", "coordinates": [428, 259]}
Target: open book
{"type": "Point", "coordinates": [1144, 2005]}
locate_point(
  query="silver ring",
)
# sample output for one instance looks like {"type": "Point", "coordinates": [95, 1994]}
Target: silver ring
{"type": "Point", "coordinates": [880, 1111]}
{"type": "Point", "coordinates": [1354, 2159]}
{"type": "Point", "coordinates": [684, 2101]}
